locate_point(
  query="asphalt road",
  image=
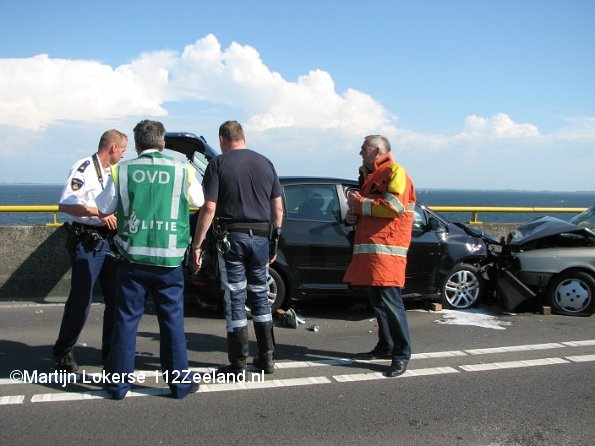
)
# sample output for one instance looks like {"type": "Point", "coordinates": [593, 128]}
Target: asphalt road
{"type": "Point", "coordinates": [476, 378]}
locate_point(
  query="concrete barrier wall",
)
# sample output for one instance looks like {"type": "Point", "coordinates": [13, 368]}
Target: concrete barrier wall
{"type": "Point", "coordinates": [35, 265]}
{"type": "Point", "coordinates": [33, 262]}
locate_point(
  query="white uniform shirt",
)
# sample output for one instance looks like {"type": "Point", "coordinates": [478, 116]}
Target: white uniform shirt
{"type": "Point", "coordinates": [107, 203]}
{"type": "Point", "coordinates": [83, 186]}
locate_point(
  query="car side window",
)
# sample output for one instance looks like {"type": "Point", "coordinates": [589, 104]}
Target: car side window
{"type": "Point", "coordinates": [419, 219]}
{"type": "Point", "coordinates": [312, 202]}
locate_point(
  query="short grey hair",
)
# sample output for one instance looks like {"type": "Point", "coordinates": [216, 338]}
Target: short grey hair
{"type": "Point", "coordinates": [149, 135]}
{"type": "Point", "coordinates": [111, 136]}
{"type": "Point", "coordinates": [378, 141]}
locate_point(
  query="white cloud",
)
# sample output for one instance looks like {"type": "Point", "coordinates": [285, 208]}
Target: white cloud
{"type": "Point", "coordinates": [238, 77]}
{"type": "Point", "coordinates": [41, 90]}
{"type": "Point", "coordinates": [498, 126]}
{"type": "Point", "coordinates": [293, 122]}
{"type": "Point", "coordinates": [582, 128]}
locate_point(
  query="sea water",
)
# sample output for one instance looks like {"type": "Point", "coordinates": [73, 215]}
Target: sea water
{"type": "Point", "coordinates": [49, 194]}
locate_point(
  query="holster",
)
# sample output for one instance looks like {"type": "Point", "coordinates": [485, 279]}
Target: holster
{"type": "Point", "coordinates": [72, 237]}
{"type": "Point", "coordinates": [88, 238]}
{"type": "Point", "coordinates": [274, 236]}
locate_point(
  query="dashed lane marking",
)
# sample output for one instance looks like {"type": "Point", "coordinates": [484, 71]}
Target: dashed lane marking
{"type": "Point", "coordinates": [152, 391]}
{"type": "Point", "coordinates": [512, 364]}
{"type": "Point", "coordinates": [289, 382]}
{"type": "Point", "coordinates": [408, 373]}
{"type": "Point", "coordinates": [506, 349]}
{"type": "Point", "coordinates": [95, 395]}
{"type": "Point", "coordinates": [69, 396]}
{"type": "Point", "coordinates": [525, 363]}
{"type": "Point", "coordinates": [15, 399]}
{"type": "Point", "coordinates": [292, 382]}
{"type": "Point", "coordinates": [318, 363]}
{"type": "Point", "coordinates": [587, 343]}
{"type": "Point", "coordinates": [514, 348]}
{"type": "Point", "coordinates": [584, 358]}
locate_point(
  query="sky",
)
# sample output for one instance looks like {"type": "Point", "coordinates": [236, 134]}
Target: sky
{"type": "Point", "coordinates": [472, 94]}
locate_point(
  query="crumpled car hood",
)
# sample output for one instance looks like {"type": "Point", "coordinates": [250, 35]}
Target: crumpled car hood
{"type": "Point", "coordinates": [541, 228]}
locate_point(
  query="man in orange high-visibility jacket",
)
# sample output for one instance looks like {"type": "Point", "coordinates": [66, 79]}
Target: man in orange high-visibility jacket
{"type": "Point", "coordinates": [383, 210]}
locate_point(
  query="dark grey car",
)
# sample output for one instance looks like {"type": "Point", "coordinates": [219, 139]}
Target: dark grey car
{"type": "Point", "coordinates": [445, 259]}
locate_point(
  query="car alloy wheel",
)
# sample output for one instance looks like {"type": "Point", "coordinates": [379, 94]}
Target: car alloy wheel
{"type": "Point", "coordinates": [276, 291]}
{"type": "Point", "coordinates": [463, 287]}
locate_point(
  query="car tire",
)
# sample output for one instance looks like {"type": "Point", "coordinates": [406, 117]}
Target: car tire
{"type": "Point", "coordinates": [572, 293]}
{"type": "Point", "coordinates": [276, 292]}
{"type": "Point", "coordinates": [463, 287]}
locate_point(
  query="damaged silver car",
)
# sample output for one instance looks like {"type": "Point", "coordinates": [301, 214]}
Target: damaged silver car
{"type": "Point", "coordinates": [550, 261]}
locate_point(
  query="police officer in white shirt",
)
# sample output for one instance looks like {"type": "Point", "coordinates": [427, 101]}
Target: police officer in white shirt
{"type": "Point", "coordinates": [87, 243]}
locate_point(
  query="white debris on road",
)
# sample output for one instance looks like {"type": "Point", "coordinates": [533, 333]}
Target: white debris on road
{"type": "Point", "coordinates": [477, 317]}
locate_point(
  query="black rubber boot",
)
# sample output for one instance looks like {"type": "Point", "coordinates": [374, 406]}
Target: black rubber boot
{"type": "Point", "coordinates": [266, 347]}
{"type": "Point", "coordinates": [237, 352]}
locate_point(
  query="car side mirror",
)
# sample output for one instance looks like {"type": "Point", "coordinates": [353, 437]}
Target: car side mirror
{"type": "Point", "coordinates": [435, 225]}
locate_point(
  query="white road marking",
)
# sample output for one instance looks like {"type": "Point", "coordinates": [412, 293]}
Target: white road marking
{"type": "Point", "coordinates": [378, 375]}
{"type": "Point", "coordinates": [289, 382]}
{"type": "Point", "coordinates": [152, 391]}
{"type": "Point", "coordinates": [318, 363]}
{"type": "Point", "coordinates": [306, 381]}
{"type": "Point", "coordinates": [514, 348]}
{"type": "Point", "coordinates": [69, 396]}
{"type": "Point", "coordinates": [32, 305]}
{"type": "Point", "coordinates": [584, 358]}
{"type": "Point", "coordinates": [14, 399]}
{"type": "Point", "coordinates": [432, 355]}
{"type": "Point", "coordinates": [585, 343]}
{"type": "Point", "coordinates": [512, 364]}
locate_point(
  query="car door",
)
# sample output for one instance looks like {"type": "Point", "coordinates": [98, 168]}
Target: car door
{"type": "Point", "coordinates": [423, 257]}
{"type": "Point", "coordinates": [315, 241]}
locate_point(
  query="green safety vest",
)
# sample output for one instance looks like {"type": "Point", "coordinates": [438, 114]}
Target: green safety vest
{"type": "Point", "coordinates": [153, 210]}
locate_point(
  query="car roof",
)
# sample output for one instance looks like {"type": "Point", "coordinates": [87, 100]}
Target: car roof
{"type": "Point", "coordinates": [188, 143]}
{"type": "Point", "coordinates": [315, 179]}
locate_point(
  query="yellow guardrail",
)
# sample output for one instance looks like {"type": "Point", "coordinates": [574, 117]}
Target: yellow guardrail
{"type": "Point", "coordinates": [49, 208]}
{"type": "Point", "coordinates": [474, 210]}
{"type": "Point", "coordinates": [42, 208]}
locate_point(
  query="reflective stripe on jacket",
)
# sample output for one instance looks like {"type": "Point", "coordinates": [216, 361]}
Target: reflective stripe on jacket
{"type": "Point", "coordinates": [383, 231]}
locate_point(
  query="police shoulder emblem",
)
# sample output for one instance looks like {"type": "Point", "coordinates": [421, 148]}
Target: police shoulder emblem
{"type": "Point", "coordinates": [83, 166]}
{"type": "Point", "coordinates": [76, 184]}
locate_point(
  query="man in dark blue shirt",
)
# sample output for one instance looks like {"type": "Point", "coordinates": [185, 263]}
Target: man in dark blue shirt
{"type": "Point", "coordinates": [242, 191]}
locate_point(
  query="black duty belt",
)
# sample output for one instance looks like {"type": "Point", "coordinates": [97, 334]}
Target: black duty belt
{"type": "Point", "coordinates": [91, 228]}
{"type": "Point", "coordinates": [252, 228]}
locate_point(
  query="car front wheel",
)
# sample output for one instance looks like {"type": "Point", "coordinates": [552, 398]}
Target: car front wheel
{"type": "Point", "coordinates": [572, 293]}
{"type": "Point", "coordinates": [463, 287]}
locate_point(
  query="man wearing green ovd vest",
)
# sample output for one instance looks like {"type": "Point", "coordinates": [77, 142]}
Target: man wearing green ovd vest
{"type": "Point", "coordinates": [151, 196]}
